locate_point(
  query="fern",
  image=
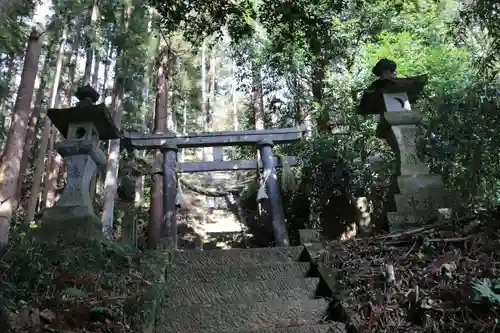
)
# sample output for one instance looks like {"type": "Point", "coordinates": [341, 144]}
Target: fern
{"type": "Point", "coordinates": [483, 287]}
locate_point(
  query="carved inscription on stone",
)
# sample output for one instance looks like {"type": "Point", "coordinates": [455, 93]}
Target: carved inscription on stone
{"type": "Point", "coordinates": [413, 203]}
{"type": "Point", "coordinates": [74, 171]}
{"type": "Point", "coordinates": [409, 137]}
{"type": "Point", "coordinates": [428, 203]}
{"type": "Point", "coordinates": [71, 194]}
{"type": "Point", "coordinates": [423, 203]}
{"type": "Point", "coordinates": [403, 220]}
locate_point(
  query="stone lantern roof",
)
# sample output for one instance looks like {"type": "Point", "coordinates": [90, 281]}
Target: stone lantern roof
{"type": "Point", "coordinates": [372, 101]}
{"type": "Point", "coordinates": [86, 111]}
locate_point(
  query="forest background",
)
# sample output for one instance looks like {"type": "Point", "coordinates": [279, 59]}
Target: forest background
{"type": "Point", "coordinates": [224, 65]}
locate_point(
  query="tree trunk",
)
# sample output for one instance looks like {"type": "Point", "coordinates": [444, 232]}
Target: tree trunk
{"type": "Point", "coordinates": [213, 88]}
{"type": "Point", "coordinates": [54, 164]}
{"type": "Point", "coordinates": [95, 74]}
{"type": "Point", "coordinates": [99, 175]}
{"type": "Point", "coordinates": [110, 182]}
{"type": "Point", "coordinates": [7, 94]}
{"type": "Point", "coordinates": [35, 115]}
{"type": "Point", "coordinates": [155, 231]}
{"type": "Point", "coordinates": [11, 74]}
{"type": "Point", "coordinates": [204, 102]}
{"type": "Point", "coordinates": [12, 155]}
{"type": "Point", "coordinates": [258, 100]}
{"type": "Point", "coordinates": [318, 82]}
{"type": "Point", "coordinates": [44, 141]}
{"type": "Point", "coordinates": [87, 76]}
{"type": "Point", "coordinates": [139, 186]}
{"type": "Point", "coordinates": [106, 72]}
{"type": "Point", "coordinates": [184, 127]}
{"type": "Point", "coordinates": [298, 116]}
{"type": "Point", "coordinates": [91, 43]}
{"type": "Point", "coordinates": [73, 61]}
{"type": "Point", "coordinates": [233, 97]}
{"type": "Point", "coordinates": [171, 120]}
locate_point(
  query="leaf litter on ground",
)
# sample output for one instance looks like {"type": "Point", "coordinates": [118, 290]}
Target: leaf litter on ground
{"type": "Point", "coordinates": [442, 277]}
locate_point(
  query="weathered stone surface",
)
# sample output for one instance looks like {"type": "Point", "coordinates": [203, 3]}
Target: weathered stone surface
{"type": "Point", "coordinates": [308, 236]}
{"type": "Point", "coordinates": [244, 292]}
{"type": "Point", "coordinates": [85, 111]}
{"type": "Point", "coordinates": [242, 317]}
{"type": "Point", "coordinates": [63, 224]}
{"type": "Point", "coordinates": [261, 256]}
{"type": "Point", "coordinates": [420, 181]}
{"type": "Point", "coordinates": [186, 275]}
{"type": "Point", "coordinates": [398, 221]}
{"type": "Point", "coordinates": [326, 328]}
{"type": "Point", "coordinates": [429, 200]}
{"type": "Point", "coordinates": [420, 200]}
{"type": "Point", "coordinates": [421, 194]}
{"type": "Point", "coordinates": [405, 137]}
{"type": "Point", "coordinates": [82, 159]}
{"type": "Point", "coordinates": [212, 139]}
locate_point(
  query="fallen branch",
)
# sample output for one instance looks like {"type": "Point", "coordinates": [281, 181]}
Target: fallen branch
{"type": "Point", "coordinates": [415, 231]}
{"type": "Point", "coordinates": [450, 240]}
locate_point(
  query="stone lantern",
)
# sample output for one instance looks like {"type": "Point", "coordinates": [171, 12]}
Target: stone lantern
{"type": "Point", "coordinates": [82, 127]}
{"type": "Point", "coordinates": [419, 195]}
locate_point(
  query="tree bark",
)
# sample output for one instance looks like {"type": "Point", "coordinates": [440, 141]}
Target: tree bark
{"type": "Point", "coordinates": [73, 61]}
{"type": "Point", "coordinates": [12, 155]}
{"type": "Point", "coordinates": [233, 97]}
{"type": "Point", "coordinates": [258, 100]}
{"type": "Point", "coordinates": [110, 182]}
{"type": "Point", "coordinates": [106, 73]}
{"type": "Point", "coordinates": [11, 74]}
{"type": "Point", "coordinates": [44, 141]}
{"type": "Point", "coordinates": [318, 82]}
{"type": "Point", "coordinates": [160, 126]}
{"type": "Point", "coordinates": [146, 87]}
{"type": "Point", "coordinates": [38, 112]}
{"type": "Point", "coordinates": [91, 44]}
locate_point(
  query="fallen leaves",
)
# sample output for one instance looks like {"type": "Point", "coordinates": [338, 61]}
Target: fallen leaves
{"type": "Point", "coordinates": [425, 279]}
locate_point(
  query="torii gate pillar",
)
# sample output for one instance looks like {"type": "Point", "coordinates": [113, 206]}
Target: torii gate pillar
{"type": "Point", "coordinates": [273, 192]}
{"type": "Point", "coordinates": [169, 231]}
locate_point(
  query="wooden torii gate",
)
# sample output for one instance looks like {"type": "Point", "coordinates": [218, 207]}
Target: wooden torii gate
{"type": "Point", "coordinates": [169, 144]}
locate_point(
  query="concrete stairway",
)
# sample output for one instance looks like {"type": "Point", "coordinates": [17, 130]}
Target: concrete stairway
{"type": "Point", "coordinates": [265, 290]}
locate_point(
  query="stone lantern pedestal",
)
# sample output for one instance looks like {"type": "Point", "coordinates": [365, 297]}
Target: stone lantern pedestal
{"type": "Point", "coordinates": [82, 127]}
{"type": "Point", "coordinates": [418, 195]}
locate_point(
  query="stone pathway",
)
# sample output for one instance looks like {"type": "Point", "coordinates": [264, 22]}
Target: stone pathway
{"type": "Point", "coordinates": [266, 290]}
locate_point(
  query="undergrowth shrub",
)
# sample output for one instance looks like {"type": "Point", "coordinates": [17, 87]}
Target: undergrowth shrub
{"type": "Point", "coordinates": [84, 283]}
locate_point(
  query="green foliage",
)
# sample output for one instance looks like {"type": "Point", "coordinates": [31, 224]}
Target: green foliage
{"type": "Point", "coordinates": [197, 18]}
{"type": "Point", "coordinates": [449, 68]}
{"type": "Point", "coordinates": [486, 289]}
{"type": "Point", "coordinates": [480, 19]}
{"type": "Point", "coordinates": [103, 277]}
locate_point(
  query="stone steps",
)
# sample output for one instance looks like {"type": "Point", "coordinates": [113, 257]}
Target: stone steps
{"type": "Point", "coordinates": [264, 290]}
{"type": "Point", "coordinates": [187, 275]}
{"type": "Point", "coordinates": [325, 328]}
{"type": "Point", "coordinates": [244, 291]}
{"type": "Point", "coordinates": [261, 256]}
{"type": "Point", "coordinates": [241, 317]}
